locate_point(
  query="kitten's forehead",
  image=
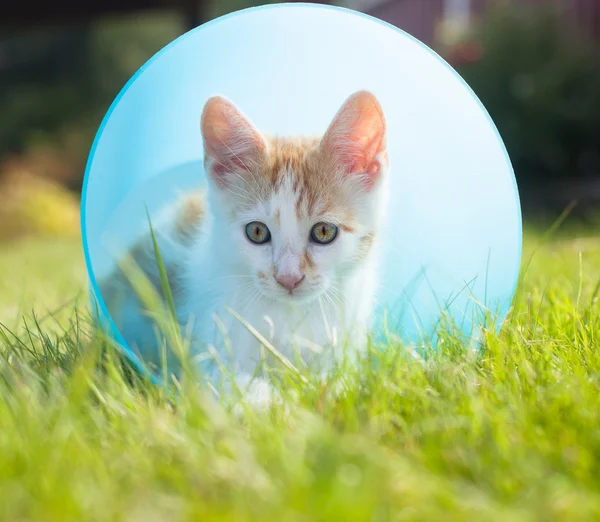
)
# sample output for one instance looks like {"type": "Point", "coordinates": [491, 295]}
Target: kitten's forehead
{"type": "Point", "coordinates": [299, 155]}
{"type": "Point", "coordinates": [299, 174]}
{"type": "Point", "coordinates": [296, 180]}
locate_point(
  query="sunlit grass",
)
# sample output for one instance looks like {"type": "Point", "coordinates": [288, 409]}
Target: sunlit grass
{"type": "Point", "coordinates": [40, 275]}
{"type": "Point", "coordinates": [513, 434]}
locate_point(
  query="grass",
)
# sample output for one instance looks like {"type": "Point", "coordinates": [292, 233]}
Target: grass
{"type": "Point", "coordinates": [41, 276]}
{"type": "Point", "coordinates": [511, 435]}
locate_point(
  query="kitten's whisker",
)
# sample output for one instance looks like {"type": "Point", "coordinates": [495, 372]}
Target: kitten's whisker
{"type": "Point", "coordinates": [334, 293]}
{"type": "Point", "coordinates": [330, 304]}
{"type": "Point", "coordinates": [256, 296]}
{"type": "Point", "coordinates": [247, 197]}
{"type": "Point", "coordinates": [324, 316]}
{"type": "Point", "coordinates": [248, 298]}
{"type": "Point", "coordinates": [240, 191]}
{"type": "Point", "coordinates": [232, 152]}
{"type": "Point", "coordinates": [254, 183]}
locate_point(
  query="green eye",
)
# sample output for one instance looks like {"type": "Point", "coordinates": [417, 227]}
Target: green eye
{"type": "Point", "coordinates": [323, 233]}
{"type": "Point", "coordinates": [258, 232]}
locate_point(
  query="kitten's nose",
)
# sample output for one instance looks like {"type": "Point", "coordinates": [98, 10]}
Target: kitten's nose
{"type": "Point", "coordinates": [290, 281]}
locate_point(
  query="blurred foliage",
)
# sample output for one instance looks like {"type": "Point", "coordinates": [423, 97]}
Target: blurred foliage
{"type": "Point", "coordinates": [216, 8]}
{"type": "Point", "coordinates": [56, 83]}
{"type": "Point", "coordinates": [540, 82]}
{"type": "Point", "coordinates": [33, 205]}
{"type": "Point", "coordinates": [41, 82]}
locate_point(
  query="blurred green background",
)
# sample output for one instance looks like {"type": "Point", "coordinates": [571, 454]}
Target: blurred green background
{"type": "Point", "coordinates": [534, 64]}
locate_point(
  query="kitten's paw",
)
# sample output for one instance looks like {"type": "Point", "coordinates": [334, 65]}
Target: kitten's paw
{"type": "Point", "coordinates": [257, 392]}
{"type": "Point", "coordinates": [261, 394]}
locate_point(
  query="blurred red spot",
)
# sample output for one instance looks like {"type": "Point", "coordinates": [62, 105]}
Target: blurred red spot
{"type": "Point", "coordinates": [465, 53]}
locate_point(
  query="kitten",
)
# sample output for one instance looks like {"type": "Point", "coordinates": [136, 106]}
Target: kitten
{"type": "Point", "coordinates": [286, 239]}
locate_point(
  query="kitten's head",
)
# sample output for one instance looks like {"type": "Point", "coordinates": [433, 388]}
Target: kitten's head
{"type": "Point", "coordinates": [297, 214]}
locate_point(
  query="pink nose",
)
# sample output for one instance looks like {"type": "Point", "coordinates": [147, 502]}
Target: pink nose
{"type": "Point", "coordinates": [290, 281]}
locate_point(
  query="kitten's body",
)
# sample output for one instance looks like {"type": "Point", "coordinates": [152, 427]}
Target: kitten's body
{"type": "Point", "coordinates": [287, 185]}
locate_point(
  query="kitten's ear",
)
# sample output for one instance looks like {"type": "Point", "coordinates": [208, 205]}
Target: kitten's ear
{"type": "Point", "coordinates": [356, 138]}
{"type": "Point", "coordinates": [232, 145]}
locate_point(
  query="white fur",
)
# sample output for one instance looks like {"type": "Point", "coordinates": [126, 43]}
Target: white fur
{"type": "Point", "coordinates": [326, 312]}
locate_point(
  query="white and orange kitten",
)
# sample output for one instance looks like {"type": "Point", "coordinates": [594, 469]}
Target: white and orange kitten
{"type": "Point", "coordinates": [285, 236]}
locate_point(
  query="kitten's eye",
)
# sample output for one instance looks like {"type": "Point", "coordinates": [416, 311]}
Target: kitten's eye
{"type": "Point", "coordinates": [323, 233]}
{"type": "Point", "coordinates": [258, 232]}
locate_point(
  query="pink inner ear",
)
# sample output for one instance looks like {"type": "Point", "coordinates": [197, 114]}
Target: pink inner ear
{"type": "Point", "coordinates": [357, 137]}
{"type": "Point", "coordinates": [230, 140]}
{"type": "Point", "coordinates": [364, 158]}
{"type": "Point", "coordinates": [231, 165]}
{"type": "Point", "coordinates": [221, 169]}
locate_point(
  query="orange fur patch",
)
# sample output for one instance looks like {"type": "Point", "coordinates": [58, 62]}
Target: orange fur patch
{"type": "Point", "coordinates": [307, 261]}
{"type": "Point", "coordinates": [299, 163]}
{"type": "Point", "coordinates": [189, 215]}
{"type": "Point", "coordinates": [365, 246]}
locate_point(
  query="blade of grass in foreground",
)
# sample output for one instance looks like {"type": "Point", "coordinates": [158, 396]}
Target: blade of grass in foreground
{"type": "Point", "coordinates": [166, 287]}
{"type": "Point", "coordinates": [276, 353]}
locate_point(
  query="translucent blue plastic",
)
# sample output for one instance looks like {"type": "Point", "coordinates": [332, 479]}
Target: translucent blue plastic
{"type": "Point", "coordinates": [454, 231]}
